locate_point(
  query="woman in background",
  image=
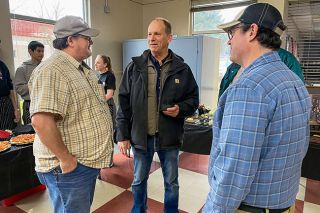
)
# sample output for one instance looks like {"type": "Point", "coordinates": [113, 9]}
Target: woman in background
{"type": "Point", "coordinates": [108, 80]}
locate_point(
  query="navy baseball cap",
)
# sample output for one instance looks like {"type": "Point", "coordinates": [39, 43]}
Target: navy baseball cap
{"type": "Point", "coordinates": [263, 14]}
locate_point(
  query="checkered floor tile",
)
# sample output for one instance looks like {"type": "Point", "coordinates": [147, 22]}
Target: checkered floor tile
{"type": "Point", "coordinates": [113, 192]}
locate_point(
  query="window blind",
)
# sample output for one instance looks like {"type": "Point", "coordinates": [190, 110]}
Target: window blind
{"type": "Point", "coordinates": [304, 26]}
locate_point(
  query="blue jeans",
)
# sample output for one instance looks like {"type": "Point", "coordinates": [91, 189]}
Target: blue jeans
{"type": "Point", "coordinates": [169, 164]}
{"type": "Point", "coordinates": [70, 192]}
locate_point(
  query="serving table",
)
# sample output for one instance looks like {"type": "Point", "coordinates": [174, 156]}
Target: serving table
{"type": "Point", "coordinates": [17, 174]}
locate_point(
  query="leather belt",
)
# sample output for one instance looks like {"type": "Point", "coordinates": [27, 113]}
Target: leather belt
{"type": "Point", "coordinates": [253, 209]}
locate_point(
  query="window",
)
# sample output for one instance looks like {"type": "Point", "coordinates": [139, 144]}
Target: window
{"type": "Point", "coordinates": [207, 16]}
{"type": "Point", "coordinates": [46, 9]}
{"type": "Point", "coordinates": [23, 32]}
{"type": "Point", "coordinates": [34, 20]}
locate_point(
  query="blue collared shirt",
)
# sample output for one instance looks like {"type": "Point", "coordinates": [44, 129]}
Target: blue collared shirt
{"type": "Point", "coordinates": [260, 136]}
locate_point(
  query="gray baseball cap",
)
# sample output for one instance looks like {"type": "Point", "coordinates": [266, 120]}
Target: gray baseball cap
{"type": "Point", "coordinates": [71, 25]}
{"type": "Point", "coordinates": [263, 14]}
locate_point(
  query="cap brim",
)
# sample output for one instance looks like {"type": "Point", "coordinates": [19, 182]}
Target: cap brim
{"type": "Point", "coordinates": [228, 25]}
{"type": "Point", "coordinates": [90, 32]}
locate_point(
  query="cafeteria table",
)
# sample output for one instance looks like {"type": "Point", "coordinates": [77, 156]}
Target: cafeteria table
{"type": "Point", "coordinates": [17, 174]}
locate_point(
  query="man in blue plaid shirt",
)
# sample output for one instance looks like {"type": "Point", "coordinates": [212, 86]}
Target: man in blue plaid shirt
{"type": "Point", "coordinates": [261, 126]}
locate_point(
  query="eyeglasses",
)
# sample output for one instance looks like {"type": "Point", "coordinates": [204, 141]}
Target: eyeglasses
{"type": "Point", "coordinates": [84, 37]}
{"type": "Point", "coordinates": [232, 31]}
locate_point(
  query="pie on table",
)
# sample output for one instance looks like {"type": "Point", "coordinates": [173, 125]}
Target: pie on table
{"type": "Point", "coordinates": [23, 139]}
{"type": "Point", "coordinates": [4, 145]}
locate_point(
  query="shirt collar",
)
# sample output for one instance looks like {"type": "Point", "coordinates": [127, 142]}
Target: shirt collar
{"type": "Point", "coordinates": [155, 61]}
{"type": "Point", "coordinates": [82, 66]}
{"type": "Point", "coordinates": [262, 60]}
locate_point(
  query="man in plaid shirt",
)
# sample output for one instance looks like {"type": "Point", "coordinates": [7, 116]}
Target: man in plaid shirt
{"type": "Point", "coordinates": [261, 126]}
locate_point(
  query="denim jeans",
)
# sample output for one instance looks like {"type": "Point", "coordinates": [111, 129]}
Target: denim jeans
{"type": "Point", "coordinates": [71, 192]}
{"type": "Point", "coordinates": [169, 164]}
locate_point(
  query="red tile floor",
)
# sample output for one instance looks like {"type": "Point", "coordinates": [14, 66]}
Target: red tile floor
{"type": "Point", "coordinates": [113, 191]}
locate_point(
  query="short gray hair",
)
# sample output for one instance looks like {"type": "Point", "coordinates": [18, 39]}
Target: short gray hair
{"type": "Point", "coordinates": [166, 23]}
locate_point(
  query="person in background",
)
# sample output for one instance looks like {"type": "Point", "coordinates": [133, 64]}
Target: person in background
{"type": "Point", "coordinates": [9, 110]}
{"type": "Point", "coordinates": [73, 125]}
{"type": "Point", "coordinates": [233, 71]}
{"type": "Point", "coordinates": [108, 80]}
{"type": "Point", "coordinates": [22, 76]}
{"type": "Point", "coordinates": [157, 92]}
{"type": "Point", "coordinates": [261, 126]}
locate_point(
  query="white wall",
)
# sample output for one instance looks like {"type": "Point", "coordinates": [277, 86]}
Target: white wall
{"type": "Point", "coordinates": [123, 22]}
{"type": "Point", "coordinates": [177, 12]}
{"type": "Point", "coordinates": [6, 49]}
